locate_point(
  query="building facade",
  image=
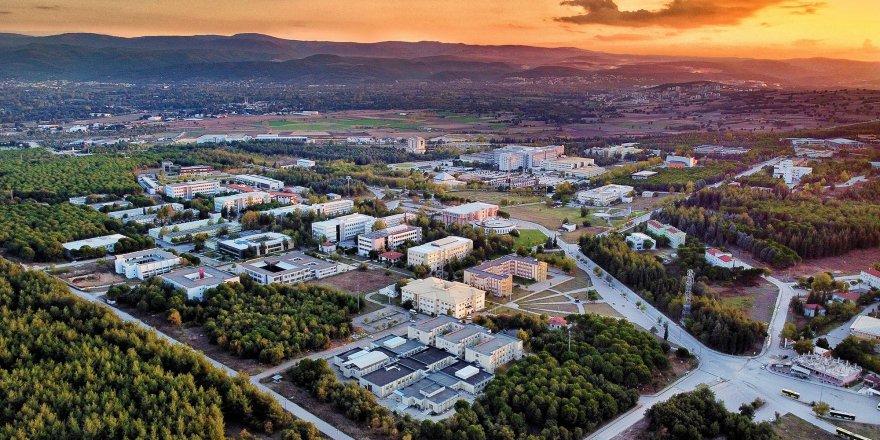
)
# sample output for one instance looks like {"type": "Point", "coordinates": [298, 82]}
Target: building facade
{"type": "Point", "coordinates": [435, 297]}
{"type": "Point", "coordinates": [343, 228]}
{"type": "Point", "coordinates": [290, 268]}
{"type": "Point", "coordinates": [256, 245]}
{"type": "Point", "coordinates": [388, 238]}
{"type": "Point", "coordinates": [188, 190]}
{"type": "Point", "coordinates": [496, 276]}
{"type": "Point", "coordinates": [237, 202]}
{"type": "Point", "coordinates": [605, 195]}
{"type": "Point", "coordinates": [437, 253]}
{"type": "Point", "coordinates": [196, 280]}
{"type": "Point", "coordinates": [146, 263]}
{"type": "Point", "coordinates": [469, 212]}
{"type": "Point", "coordinates": [675, 236]}
{"type": "Point", "coordinates": [260, 182]}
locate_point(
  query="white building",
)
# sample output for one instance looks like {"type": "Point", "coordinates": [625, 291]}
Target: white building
{"type": "Point", "coordinates": [568, 163]}
{"type": "Point", "coordinates": [146, 263]}
{"type": "Point", "coordinates": [415, 145]}
{"type": "Point", "coordinates": [209, 226]}
{"type": "Point", "coordinates": [187, 190]}
{"type": "Point", "coordinates": [264, 183]}
{"type": "Point", "coordinates": [498, 350]}
{"type": "Point", "coordinates": [237, 202]}
{"type": "Point", "coordinates": [108, 242]}
{"type": "Point", "coordinates": [718, 258]}
{"type": "Point", "coordinates": [514, 157]}
{"type": "Point", "coordinates": [256, 245]}
{"type": "Point", "coordinates": [290, 268]}
{"type": "Point", "coordinates": [388, 238]}
{"type": "Point", "coordinates": [673, 161]}
{"type": "Point", "coordinates": [343, 228]}
{"type": "Point", "coordinates": [871, 277]}
{"type": "Point", "coordinates": [437, 253]}
{"type": "Point", "coordinates": [497, 225]}
{"type": "Point", "coordinates": [143, 215]}
{"type": "Point", "coordinates": [789, 172]}
{"type": "Point", "coordinates": [675, 236]}
{"type": "Point", "coordinates": [305, 163]}
{"type": "Point", "coordinates": [435, 297]}
{"type": "Point", "coordinates": [866, 327]}
{"type": "Point", "coordinates": [149, 183]}
{"type": "Point", "coordinates": [196, 280]}
{"type": "Point", "coordinates": [468, 212]}
{"type": "Point", "coordinates": [605, 195]}
{"type": "Point", "coordinates": [640, 242]}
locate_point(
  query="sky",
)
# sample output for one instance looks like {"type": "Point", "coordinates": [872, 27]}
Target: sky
{"type": "Point", "coordinates": [743, 28]}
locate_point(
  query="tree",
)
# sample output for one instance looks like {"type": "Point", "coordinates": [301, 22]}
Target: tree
{"type": "Point", "coordinates": [823, 343]}
{"type": "Point", "coordinates": [174, 318]}
{"type": "Point", "coordinates": [379, 224]}
{"type": "Point", "coordinates": [803, 346]}
{"type": "Point", "coordinates": [821, 408]}
{"type": "Point", "coordinates": [789, 331]}
{"type": "Point", "coordinates": [250, 220]}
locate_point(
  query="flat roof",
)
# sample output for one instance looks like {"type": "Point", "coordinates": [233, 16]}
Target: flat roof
{"type": "Point", "coordinates": [289, 262]}
{"type": "Point", "coordinates": [497, 341]}
{"type": "Point", "coordinates": [468, 208]}
{"type": "Point", "coordinates": [243, 243]}
{"type": "Point", "coordinates": [94, 242]}
{"type": "Point", "coordinates": [190, 277]}
{"type": "Point", "coordinates": [381, 233]}
{"type": "Point", "coordinates": [367, 359]}
{"type": "Point", "coordinates": [866, 324]}
{"type": "Point", "coordinates": [387, 374]}
{"type": "Point", "coordinates": [464, 332]}
{"type": "Point", "coordinates": [431, 356]}
{"type": "Point", "coordinates": [467, 368]}
{"type": "Point", "coordinates": [434, 323]}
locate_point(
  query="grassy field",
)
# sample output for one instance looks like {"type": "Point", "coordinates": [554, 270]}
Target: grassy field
{"type": "Point", "coordinates": [550, 218]}
{"type": "Point", "coordinates": [331, 124]}
{"type": "Point", "coordinates": [529, 238]}
{"type": "Point", "coordinates": [498, 198]}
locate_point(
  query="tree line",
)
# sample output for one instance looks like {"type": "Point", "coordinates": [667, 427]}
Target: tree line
{"type": "Point", "coordinates": [88, 374]}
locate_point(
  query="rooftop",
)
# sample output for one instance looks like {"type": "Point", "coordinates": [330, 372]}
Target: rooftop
{"type": "Point", "coordinates": [289, 262]}
{"type": "Point", "coordinates": [243, 243]}
{"type": "Point", "coordinates": [431, 356]}
{"type": "Point", "coordinates": [467, 372]}
{"type": "Point", "coordinates": [94, 242]}
{"type": "Point", "coordinates": [462, 333]}
{"type": "Point", "coordinates": [866, 324]}
{"type": "Point", "coordinates": [191, 277]}
{"type": "Point", "coordinates": [434, 323]}
{"type": "Point", "coordinates": [387, 374]}
{"type": "Point", "coordinates": [468, 208]}
{"type": "Point", "coordinates": [492, 345]}
{"type": "Point", "coordinates": [381, 233]}
{"type": "Point", "coordinates": [829, 366]}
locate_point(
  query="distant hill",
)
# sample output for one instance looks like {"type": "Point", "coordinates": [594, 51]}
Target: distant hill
{"type": "Point", "coordinates": [83, 57]}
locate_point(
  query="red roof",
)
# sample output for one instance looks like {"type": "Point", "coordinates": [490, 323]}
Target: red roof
{"type": "Point", "coordinates": [283, 194]}
{"type": "Point", "coordinates": [813, 306]}
{"type": "Point", "coordinates": [241, 188]}
{"type": "Point", "coordinates": [654, 223]}
{"type": "Point", "coordinates": [851, 296]}
{"type": "Point", "coordinates": [327, 244]}
{"type": "Point", "coordinates": [556, 320]}
{"type": "Point", "coordinates": [726, 258]}
{"type": "Point", "coordinates": [714, 252]}
{"type": "Point", "coordinates": [390, 255]}
{"type": "Point", "coordinates": [873, 272]}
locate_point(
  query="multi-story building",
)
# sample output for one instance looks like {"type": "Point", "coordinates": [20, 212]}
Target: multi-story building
{"type": "Point", "coordinates": [564, 164]}
{"type": "Point", "coordinates": [335, 207]}
{"type": "Point", "coordinates": [790, 171]}
{"type": "Point", "coordinates": [514, 157]}
{"type": "Point", "coordinates": [358, 362]}
{"type": "Point", "coordinates": [343, 228]}
{"type": "Point", "coordinates": [497, 225]}
{"type": "Point", "coordinates": [435, 296]}
{"type": "Point", "coordinates": [196, 280]}
{"type": "Point", "coordinates": [237, 202]}
{"type": "Point", "coordinates": [680, 161]}
{"type": "Point", "coordinates": [290, 268]}
{"type": "Point", "coordinates": [717, 257]}
{"type": "Point", "coordinates": [264, 183]}
{"type": "Point", "coordinates": [460, 337]}
{"type": "Point", "coordinates": [640, 242]}
{"type": "Point", "coordinates": [842, 143]}
{"type": "Point", "coordinates": [427, 331]}
{"type": "Point", "coordinates": [195, 170]}
{"type": "Point", "coordinates": [605, 195]}
{"type": "Point", "coordinates": [831, 370]}
{"type": "Point", "coordinates": [496, 276]}
{"type": "Point", "coordinates": [149, 183]}
{"type": "Point", "coordinates": [388, 238]}
{"type": "Point", "coordinates": [215, 225]}
{"type": "Point", "coordinates": [147, 263]}
{"type": "Point", "coordinates": [397, 219]}
{"type": "Point", "coordinates": [256, 245]}
{"type": "Point", "coordinates": [437, 253]}
{"type": "Point", "coordinates": [305, 163]}
{"type": "Point", "coordinates": [498, 350]}
{"type": "Point", "coordinates": [188, 190]}
{"type": "Point", "coordinates": [143, 215]}
{"type": "Point", "coordinates": [675, 236]}
{"type": "Point", "coordinates": [415, 145]}
{"type": "Point", "coordinates": [469, 212]}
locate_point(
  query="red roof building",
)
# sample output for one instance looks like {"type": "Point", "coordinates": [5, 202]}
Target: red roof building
{"type": "Point", "coordinates": [848, 296]}
{"type": "Point", "coordinates": [557, 322]}
{"type": "Point", "coordinates": [390, 256]}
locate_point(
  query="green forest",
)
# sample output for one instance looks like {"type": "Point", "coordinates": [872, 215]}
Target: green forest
{"type": "Point", "coordinates": [556, 394]}
{"type": "Point", "coordinates": [698, 415]}
{"type": "Point", "coordinates": [720, 327]}
{"type": "Point", "coordinates": [269, 323]}
{"type": "Point", "coordinates": [679, 179]}
{"type": "Point", "coordinates": [780, 228]}
{"type": "Point", "coordinates": [70, 369]}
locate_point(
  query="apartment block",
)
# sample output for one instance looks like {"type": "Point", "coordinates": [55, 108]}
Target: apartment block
{"type": "Point", "coordinates": [434, 296]}
{"type": "Point", "coordinates": [496, 276]}
{"type": "Point", "coordinates": [494, 352]}
{"type": "Point", "coordinates": [388, 238]}
{"type": "Point", "coordinates": [469, 212]}
{"type": "Point", "coordinates": [188, 190]}
{"type": "Point", "coordinates": [415, 145]}
{"type": "Point", "coordinates": [437, 253]}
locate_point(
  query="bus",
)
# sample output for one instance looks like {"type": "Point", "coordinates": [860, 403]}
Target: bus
{"type": "Point", "coordinates": [842, 433]}
{"type": "Point", "coordinates": [841, 415]}
{"type": "Point", "coordinates": [790, 393]}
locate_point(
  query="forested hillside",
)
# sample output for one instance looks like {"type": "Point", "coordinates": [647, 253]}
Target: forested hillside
{"type": "Point", "coordinates": [70, 369]}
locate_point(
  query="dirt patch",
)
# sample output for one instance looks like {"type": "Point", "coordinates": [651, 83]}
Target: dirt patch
{"type": "Point", "coordinates": [356, 281]}
{"type": "Point", "coordinates": [638, 431]}
{"type": "Point", "coordinates": [756, 301]}
{"type": "Point", "coordinates": [852, 262]}
{"type": "Point", "coordinates": [602, 309]}
{"type": "Point", "coordinates": [792, 427]}
{"type": "Point", "coordinates": [679, 367]}
{"type": "Point", "coordinates": [89, 275]}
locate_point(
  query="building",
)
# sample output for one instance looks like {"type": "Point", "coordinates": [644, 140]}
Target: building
{"type": "Point", "coordinates": [468, 212]}
{"type": "Point", "coordinates": [149, 183]}
{"type": "Point", "coordinates": [176, 233]}
{"type": "Point", "coordinates": [397, 219]}
{"type": "Point", "coordinates": [143, 215]}
{"type": "Point", "coordinates": [385, 380]}
{"type": "Point", "coordinates": [334, 207]}
{"type": "Point", "coordinates": [343, 228]}
{"type": "Point", "coordinates": [358, 362]}
{"type": "Point", "coordinates": [391, 257]}
{"type": "Point", "coordinates": [564, 164]}
{"type": "Point", "coordinates": [435, 296]}
{"type": "Point", "coordinates": [260, 182]}
{"type": "Point", "coordinates": [305, 163]}
{"type": "Point", "coordinates": [107, 242]}
{"type": "Point", "coordinates": [238, 202]}
{"type": "Point", "coordinates": [497, 276]}
{"type": "Point", "coordinates": [256, 245]}
{"type": "Point", "coordinates": [147, 263]}
{"type": "Point", "coordinates": [720, 150]}
{"type": "Point", "coordinates": [790, 172]}
{"type": "Point", "coordinates": [830, 370]}
{"type": "Point", "coordinates": [674, 235]}
{"type": "Point", "coordinates": [290, 268]}
{"type": "Point", "coordinates": [196, 280]}
{"type": "Point", "coordinates": [415, 145]}
{"type": "Point", "coordinates": [680, 161]}
{"type": "Point", "coordinates": [814, 310]}
{"type": "Point", "coordinates": [845, 296]}
{"type": "Point", "coordinates": [458, 338]}
{"type": "Point", "coordinates": [188, 190]}
{"type": "Point", "coordinates": [447, 179]}
{"type": "Point", "coordinates": [871, 277]}
{"type": "Point", "coordinates": [497, 225]}
{"type": "Point", "coordinates": [468, 377]}
{"type": "Point", "coordinates": [388, 238]}
{"type": "Point", "coordinates": [604, 196]}
{"type": "Point", "coordinates": [866, 327]}
{"type": "Point", "coordinates": [284, 197]}
{"type": "Point", "coordinates": [842, 144]}
{"type": "Point", "coordinates": [643, 175]}
{"type": "Point", "coordinates": [430, 395]}
{"type": "Point", "coordinates": [718, 258]}
{"type": "Point", "coordinates": [640, 242]}
{"type": "Point", "coordinates": [515, 157]}
{"type": "Point", "coordinates": [498, 350]}
{"type": "Point", "coordinates": [621, 150]}
{"type": "Point", "coordinates": [398, 347]}
{"type": "Point", "coordinates": [557, 322]}
{"type": "Point", "coordinates": [437, 253]}
{"type": "Point", "coordinates": [427, 331]}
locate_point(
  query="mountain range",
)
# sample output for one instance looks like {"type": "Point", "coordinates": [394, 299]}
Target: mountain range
{"type": "Point", "coordinates": [94, 57]}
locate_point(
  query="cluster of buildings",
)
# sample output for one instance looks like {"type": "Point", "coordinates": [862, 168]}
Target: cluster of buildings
{"type": "Point", "coordinates": [212, 226]}
{"type": "Point", "coordinates": [836, 143]}
{"type": "Point", "coordinates": [519, 157]}
{"type": "Point", "coordinates": [675, 236]}
{"type": "Point", "coordinates": [497, 276]}
{"type": "Point", "coordinates": [640, 241]}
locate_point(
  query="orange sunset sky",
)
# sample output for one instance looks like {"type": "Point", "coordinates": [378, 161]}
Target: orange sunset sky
{"type": "Point", "coordinates": [748, 28]}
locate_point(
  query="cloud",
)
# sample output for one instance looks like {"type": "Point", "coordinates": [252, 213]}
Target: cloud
{"type": "Point", "coordinates": [681, 14]}
{"type": "Point", "coordinates": [624, 37]}
{"type": "Point", "coordinates": [804, 8]}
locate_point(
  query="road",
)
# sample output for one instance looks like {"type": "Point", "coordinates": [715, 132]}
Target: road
{"type": "Point", "coordinates": [734, 379]}
{"type": "Point", "coordinates": [297, 411]}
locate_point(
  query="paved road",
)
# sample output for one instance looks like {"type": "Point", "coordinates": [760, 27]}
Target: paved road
{"type": "Point", "coordinates": [840, 333]}
{"type": "Point", "coordinates": [297, 411]}
{"type": "Point", "coordinates": [734, 379]}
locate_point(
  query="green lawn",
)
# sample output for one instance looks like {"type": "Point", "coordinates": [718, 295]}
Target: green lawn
{"type": "Point", "coordinates": [550, 218]}
{"type": "Point", "coordinates": [529, 238]}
